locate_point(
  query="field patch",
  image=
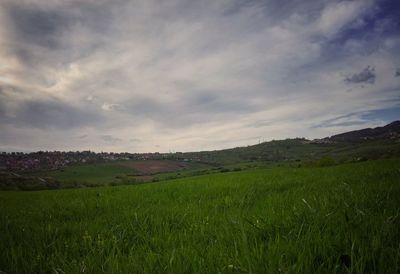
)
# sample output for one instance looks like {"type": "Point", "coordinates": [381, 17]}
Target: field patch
{"type": "Point", "coordinates": [96, 174]}
{"type": "Point", "coordinates": [155, 166]}
{"type": "Point", "coordinates": [100, 174]}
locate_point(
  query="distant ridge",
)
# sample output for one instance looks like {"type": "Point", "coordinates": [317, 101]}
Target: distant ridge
{"type": "Point", "coordinates": [389, 131]}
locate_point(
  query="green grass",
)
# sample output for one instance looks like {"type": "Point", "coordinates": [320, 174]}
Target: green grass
{"type": "Point", "coordinates": [103, 174]}
{"type": "Point", "coordinates": [299, 149]}
{"type": "Point", "coordinates": [93, 173]}
{"type": "Point", "coordinates": [277, 220]}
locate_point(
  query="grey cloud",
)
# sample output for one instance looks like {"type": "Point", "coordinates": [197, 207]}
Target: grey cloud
{"type": "Point", "coordinates": [3, 112]}
{"type": "Point", "coordinates": [111, 107]}
{"type": "Point", "coordinates": [366, 76]}
{"type": "Point", "coordinates": [260, 123]}
{"type": "Point", "coordinates": [343, 124]}
{"type": "Point", "coordinates": [43, 24]}
{"type": "Point", "coordinates": [165, 115]}
{"type": "Point", "coordinates": [190, 109]}
{"type": "Point", "coordinates": [83, 136]}
{"type": "Point", "coordinates": [171, 115]}
{"type": "Point", "coordinates": [40, 33]}
{"type": "Point", "coordinates": [276, 10]}
{"type": "Point", "coordinates": [34, 25]}
{"type": "Point", "coordinates": [45, 114]}
{"type": "Point", "coordinates": [397, 73]}
{"type": "Point", "coordinates": [350, 119]}
{"type": "Point", "coordinates": [215, 102]}
{"type": "Point", "coordinates": [35, 34]}
{"type": "Point", "coordinates": [109, 139]}
{"type": "Point", "coordinates": [145, 107]}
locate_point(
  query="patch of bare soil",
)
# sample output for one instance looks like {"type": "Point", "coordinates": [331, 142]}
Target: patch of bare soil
{"type": "Point", "coordinates": [155, 166]}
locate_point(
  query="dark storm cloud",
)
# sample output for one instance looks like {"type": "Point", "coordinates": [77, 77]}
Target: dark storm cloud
{"type": "Point", "coordinates": [40, 33]}
{"type": "Point", "coordinates": [397, 73]}
{"type": "Point", "coordinates": [44, 114]}
{"type": "Point", "coordinates": [43, 24]}
{"type": "Point", "coordinates": [366, 76]}
{"type": "Point", "coordinates": [35, 33]}
{"type": "Point", "coordinates": [37, 26]}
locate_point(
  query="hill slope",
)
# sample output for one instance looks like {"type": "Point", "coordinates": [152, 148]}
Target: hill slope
{"type": "Point", "coordinates": [380, 142]}
{"type": "Point", "coordinates": [389, 131]}
{"type": "Point", "coordinates": [366, 144]}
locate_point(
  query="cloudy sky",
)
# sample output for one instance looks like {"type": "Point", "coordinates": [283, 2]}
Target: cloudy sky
{"type": "Point", "coordinates": [155, 75]}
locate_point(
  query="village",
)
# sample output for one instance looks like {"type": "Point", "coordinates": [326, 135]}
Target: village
{"type": "Point", "coordinates": [48, 160]}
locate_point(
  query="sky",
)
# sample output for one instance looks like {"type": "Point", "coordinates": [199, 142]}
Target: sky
{"type": "Point", "coordinates": [167, 76]}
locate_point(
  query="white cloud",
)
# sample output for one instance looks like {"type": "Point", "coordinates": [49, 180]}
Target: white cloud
{"type": "Point", "coordinates": [108, 106]}
{"type": "Point", "coordinates": [337, 15]}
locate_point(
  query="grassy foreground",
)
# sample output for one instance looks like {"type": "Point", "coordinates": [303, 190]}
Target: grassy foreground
{"type": "Point", "coordinates": [291, 220]}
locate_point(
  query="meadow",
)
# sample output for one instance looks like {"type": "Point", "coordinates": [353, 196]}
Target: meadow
{"type": "Point", "coordinates": [336, 219]}
{"type": "Point", "coordinates": [113, 173]}
{"type": "Point", "coordinates": [96, 174]}
{"type": "Point", "coordinates": [121, 172]}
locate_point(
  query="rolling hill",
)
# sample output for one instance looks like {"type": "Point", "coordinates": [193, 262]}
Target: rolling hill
{"type": "Point", "coordinates": [390, 131]}
{"type": "Point", "coordinates": [354, 146]}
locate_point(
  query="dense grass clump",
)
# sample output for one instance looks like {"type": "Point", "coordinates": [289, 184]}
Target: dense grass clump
{"type": "Point", "coordinates": [334, 219]}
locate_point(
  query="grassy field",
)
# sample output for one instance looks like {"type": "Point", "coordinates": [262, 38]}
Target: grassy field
{"type": "Point", "coordinates": [338, 219]}
{"type": "Point", "coordinates": [101, 174]}
{"type": "Point", "coordinates": [86, 175]}
{"type": "Point", "coordinates": [93, 173]}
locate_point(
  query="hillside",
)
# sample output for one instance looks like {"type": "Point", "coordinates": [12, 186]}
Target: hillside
{"type": "Point", "coordinates": [361, 145]}
{"type": "Point", "coordinates": [390, 131]}
{"type": "Point", "coordinates": [380, 142]}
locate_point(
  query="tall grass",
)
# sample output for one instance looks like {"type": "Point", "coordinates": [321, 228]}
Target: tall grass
{"type": "Point", "coordinates": [284, 220]}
